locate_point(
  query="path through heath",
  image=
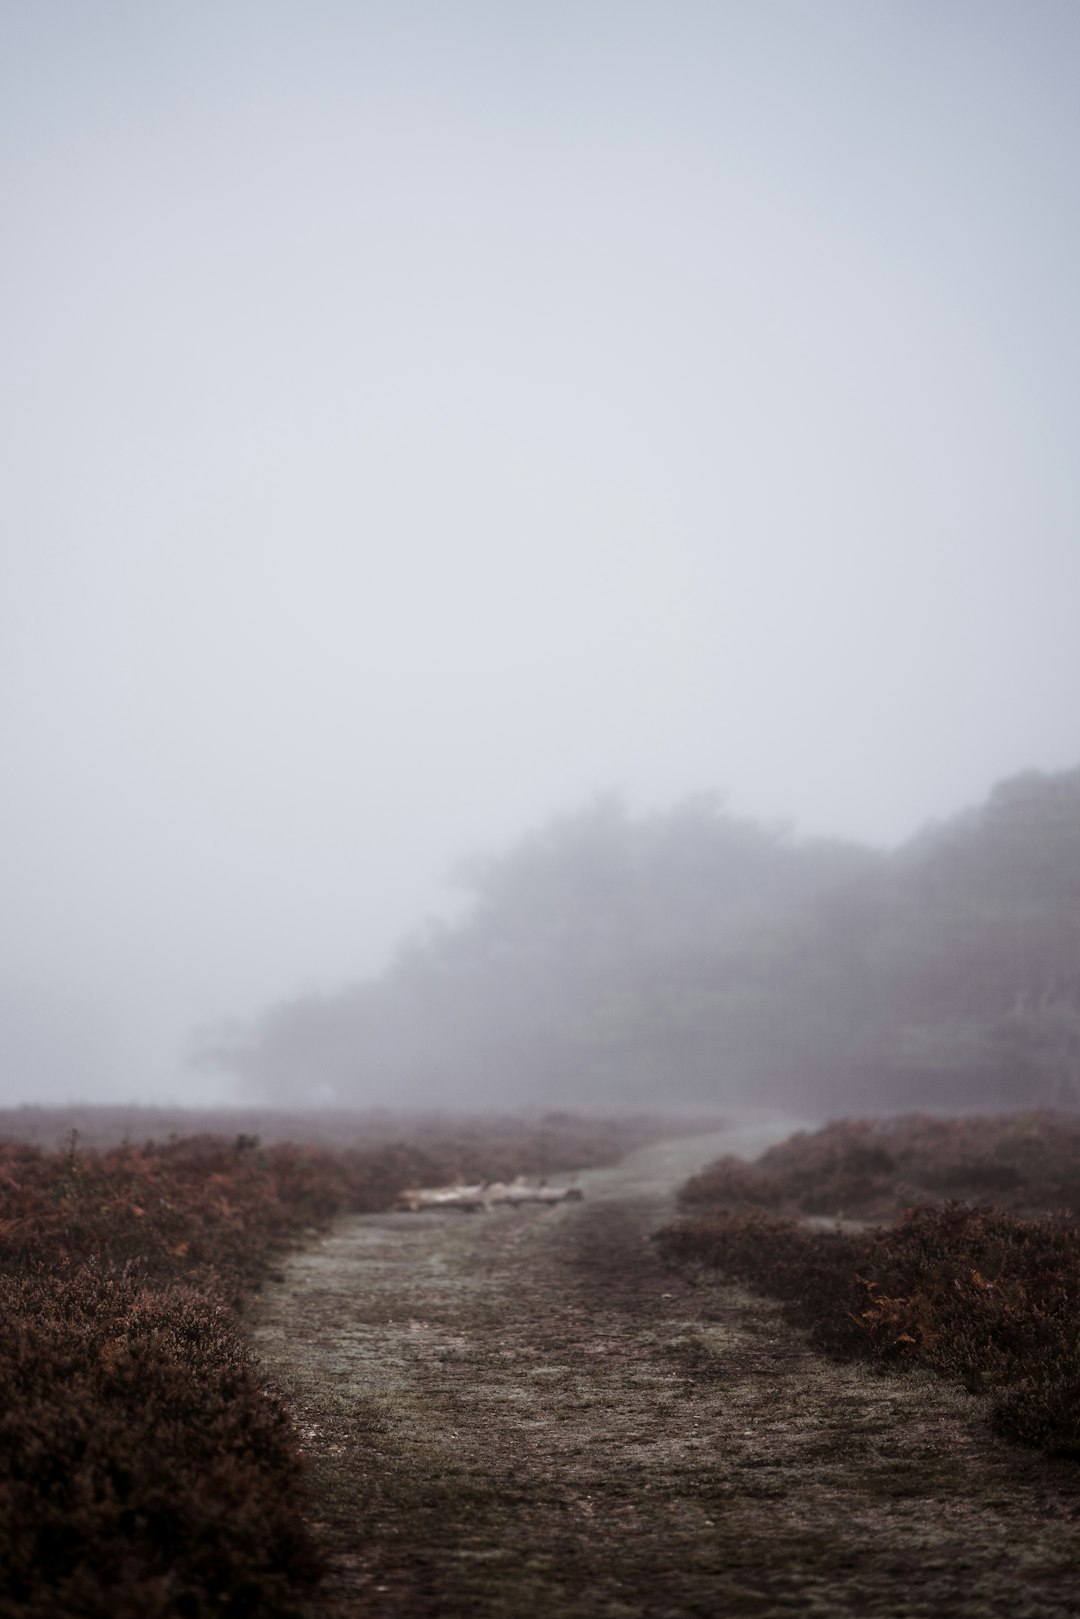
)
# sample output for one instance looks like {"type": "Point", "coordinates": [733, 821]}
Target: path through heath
{"type": "Point", "coordinates": [526, 1413]}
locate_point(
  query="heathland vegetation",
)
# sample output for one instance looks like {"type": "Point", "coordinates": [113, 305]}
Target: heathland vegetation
{"type": "Point", "coordinates": [145, 1467]}
{"type": "Point", "coordinates": [698, 958]}
{"type": "Point", "coordinates": [974, 1272]}
{"type": "Point", "coordinates": [147, 1470]}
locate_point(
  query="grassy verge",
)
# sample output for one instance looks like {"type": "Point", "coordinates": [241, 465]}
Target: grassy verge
{"type": "Point", "coordinates": [146, 1470]}
{"type": "Point", "coordinates": [976, 1292]}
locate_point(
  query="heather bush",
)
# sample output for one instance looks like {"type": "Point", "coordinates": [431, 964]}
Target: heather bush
{"type": "Point", "coordinates": [145, 1469]}
{"type": "Point", "coordinates": [875, 1168]}
{"type": "Point", "coordinates": [539, 1142]}
{"type": "Point", "coordinates": [974, 1292]}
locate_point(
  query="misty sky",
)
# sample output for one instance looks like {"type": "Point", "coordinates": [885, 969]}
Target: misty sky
{"type": "Point", "coordinates": [419, 417]}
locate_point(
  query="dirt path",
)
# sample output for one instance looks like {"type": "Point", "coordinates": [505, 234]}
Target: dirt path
{"type": "Point", "coordinates": [525, 1414]}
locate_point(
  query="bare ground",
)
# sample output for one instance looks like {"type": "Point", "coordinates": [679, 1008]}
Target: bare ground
{"type": "Point", "coordinates": [525, 1413]}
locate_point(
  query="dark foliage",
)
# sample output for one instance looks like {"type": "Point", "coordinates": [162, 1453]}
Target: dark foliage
{"type": "Point", "coordinates": [975, 1293]}
{"type": "Point", "coordinates": [537, 1142]}
{"type": "Point", "coordinates": [697, 956]}
{"type": "Point", "coordinates": [1028, 1163]}
{"type": "Point", "coordinates": [603, 957]}
{"type": "Point", "coordinates": [145, 1469]}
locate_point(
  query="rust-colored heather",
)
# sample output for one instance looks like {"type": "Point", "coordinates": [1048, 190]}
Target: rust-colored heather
{"type": "Point", "coordinates": [549, 1141]}
{"type": "Point", "coordinates": [145, 1469]}
{"type": "Point", "coordinates": [975, 1293]}
{"type": "Point", "coordinates": [1028, 1163]}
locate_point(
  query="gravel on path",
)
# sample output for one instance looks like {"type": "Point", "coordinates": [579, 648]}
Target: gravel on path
{"type": "Point", "coordinates": [525, 1413]}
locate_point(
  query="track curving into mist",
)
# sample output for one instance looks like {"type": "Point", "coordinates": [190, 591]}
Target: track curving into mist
{"type": "Point", "coordinates": [527, 1413]}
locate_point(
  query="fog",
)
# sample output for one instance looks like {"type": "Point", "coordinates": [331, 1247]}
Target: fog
{"type": "Point", "coordinates": [419, 418]}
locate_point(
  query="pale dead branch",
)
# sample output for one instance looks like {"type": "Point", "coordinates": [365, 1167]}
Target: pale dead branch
{"type": "Point", "coordinates": [485, 1195]}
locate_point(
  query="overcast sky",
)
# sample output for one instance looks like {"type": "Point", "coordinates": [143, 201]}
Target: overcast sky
{"type": "Point", "coordinates": [419, 417]}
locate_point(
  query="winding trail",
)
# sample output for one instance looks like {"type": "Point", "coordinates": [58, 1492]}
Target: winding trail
{"type": "Point", "coordinates": [526, 1414]}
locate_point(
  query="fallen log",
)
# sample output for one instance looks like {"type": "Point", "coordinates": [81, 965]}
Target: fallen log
{"type": "Point", "coordinates": [467, 1198]}
{"type": "Point", "coordinates": [519, 1191]}
{"type": "Point", "coordinates": [484, 1196]}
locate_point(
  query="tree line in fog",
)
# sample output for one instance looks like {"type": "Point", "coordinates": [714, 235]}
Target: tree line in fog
{"type": "Point", "coordinates": [695, 957]}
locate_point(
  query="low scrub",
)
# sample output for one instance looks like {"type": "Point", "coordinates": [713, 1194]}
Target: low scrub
{"type": "Point", "coordinates": [977, 1293]}
{"type": "Point", "coordinates": [549, 1140]}
{"type": "Point", "coordinates": [875, 1168]}
{"type": "Point", "coordinates": [146, 1471]}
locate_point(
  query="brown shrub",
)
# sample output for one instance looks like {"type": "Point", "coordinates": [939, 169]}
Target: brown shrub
{"type": "Point", "coordinates": [975, 1294]}
{"type": "Point", "coordinates": [145, 1470]}
{"type": "Point", "coordinates": [875, 1168]}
